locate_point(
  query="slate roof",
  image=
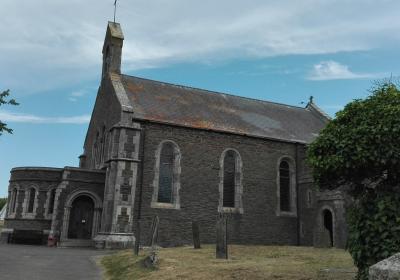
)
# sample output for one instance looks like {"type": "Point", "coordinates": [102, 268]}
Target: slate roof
{"type": "Point", "coordinates": [197, 108]}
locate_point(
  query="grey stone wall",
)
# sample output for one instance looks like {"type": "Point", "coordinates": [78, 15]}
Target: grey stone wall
{"type": "Point", "coordinates": [335, 202]}
{"type": "Point", "coordinates": [199, 194]}
{"type": "Point", "coordinates": [66, 181]}
{"type": "Point", "coordinates": [306, 200]}
{"type": "Point", "coordinates": [106, 113]}
{"type": "Point", "coordinates": [28, 224]}
{"type": "Point", "coordinates": [22, 179]}
{"type": "Point", "coordinates": [74, 180]}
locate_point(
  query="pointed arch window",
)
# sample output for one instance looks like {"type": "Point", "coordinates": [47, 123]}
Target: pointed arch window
{"type": "Point", "coordinates": [102, 145]}
{"type": "Point", "coordinates": [96, 154]}
{"type": "Point", "coordinates": [230, 187]}
{"type": "Point", "coordinates": [166, 173]}
{"type": "Point", "coordinates": [166, 182]}
{"type": "Point", "coordinates": [229, 179]}
{"type": "Point", "coordinates": [286, 182]}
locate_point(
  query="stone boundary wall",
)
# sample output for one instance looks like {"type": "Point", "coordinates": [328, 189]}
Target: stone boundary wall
{"type": "Point", "coordinates": [388, 269]}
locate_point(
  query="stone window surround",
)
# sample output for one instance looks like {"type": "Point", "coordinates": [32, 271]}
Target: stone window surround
{"type": "Point", "coordinates": [293, 194]}
{"type": "Point", "coordinates": [176, 184]}
{"type": "Point", "coordinates": [48, 196]}
{"type": "Point", "coordinates": [320, 221]}
{"type": "Point", "coordinates": [238, 184]}
{"type": "Point", "coordinates": [12, 211]}
{"type": "Point", "coordinates": [25, 203]}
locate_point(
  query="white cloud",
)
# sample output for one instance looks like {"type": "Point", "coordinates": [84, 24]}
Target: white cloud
{"type": "Point", "coordinates": [28, 118]}
{"type": "Point", "coordinates": [332, 70]}
{"type": "Point", "coordinates": [75, 95]}
{"type": "Point", "coordinates": [42, 48]}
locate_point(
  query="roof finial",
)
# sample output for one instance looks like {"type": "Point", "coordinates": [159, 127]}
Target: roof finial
{"type": "Point", "coordinates": [115, 8]}
{"type": "Point", "coordinates": [311, 99]}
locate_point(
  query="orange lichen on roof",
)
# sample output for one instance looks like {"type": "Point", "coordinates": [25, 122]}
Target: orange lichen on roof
{"type": "Point", "coordinates": [134, 87]}
{"type": "Point", "coordinates": [197, 108]}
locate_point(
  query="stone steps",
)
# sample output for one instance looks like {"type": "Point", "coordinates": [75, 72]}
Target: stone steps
{"type": "Point", "coordinates": [71, 243]}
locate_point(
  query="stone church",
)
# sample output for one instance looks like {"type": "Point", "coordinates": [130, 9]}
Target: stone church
{"type": "Point", "coordinates": [183, 154]}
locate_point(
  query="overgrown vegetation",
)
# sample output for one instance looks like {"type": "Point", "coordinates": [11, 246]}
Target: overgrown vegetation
{"type": "Point", "coordinates": [3, 202]}
{"type": "Point", "coordinates": [4, 100]}
{"type": "Point", "coordinates": [245, 262]}
{"type": "Point", "coordinates": [359, 151]}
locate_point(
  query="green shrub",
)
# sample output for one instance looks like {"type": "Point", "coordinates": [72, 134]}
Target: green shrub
{"type": "Point", "coordinates": [374, 229]}
{"type": "Point", "coordinates": [359, 150]}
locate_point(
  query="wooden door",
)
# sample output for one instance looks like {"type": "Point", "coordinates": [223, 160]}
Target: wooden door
{"type": "Point", "coordinates": [81, 218]}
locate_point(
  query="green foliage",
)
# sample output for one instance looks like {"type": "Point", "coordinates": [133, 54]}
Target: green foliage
{"type": "Point", "coordinates": [3, 202]}
{"type": "Point", "coordinates": [5, 101]}
{"type": "Point", "coordinates": [360, 147]}
{"type": "Point", "coordinates": [359, 151]}
{"type": "Point", "coordinates": [374, 232]}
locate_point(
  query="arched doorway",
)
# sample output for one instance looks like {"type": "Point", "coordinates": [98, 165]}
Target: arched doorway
{"type": "Point", "coordinates": [327, 218]}
{"type": "Point", "coordinates": [81, 218]}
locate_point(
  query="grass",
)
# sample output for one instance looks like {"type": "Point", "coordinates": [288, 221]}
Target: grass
{"type": "Point", "coordinates": [245, 262]}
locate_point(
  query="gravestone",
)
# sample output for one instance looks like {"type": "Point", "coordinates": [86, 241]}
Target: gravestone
{"type": "Point", "coordinates": [222, 245]}
{"type": "Point", "coordinates": [196, 234]}
{"type": "Point", "coordinates": [137, 244]}
{"type": "Point", "coordinates": [152, 259]}
{"type": "Point", "coordinates": [388, 269]}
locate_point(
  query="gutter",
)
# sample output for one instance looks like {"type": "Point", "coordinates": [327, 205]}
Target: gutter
{"type": "Point", "coordinates": [139, 217]}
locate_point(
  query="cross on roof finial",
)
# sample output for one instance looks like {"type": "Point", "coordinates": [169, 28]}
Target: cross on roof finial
{"type": "Point", "coordinates": [115, 8]}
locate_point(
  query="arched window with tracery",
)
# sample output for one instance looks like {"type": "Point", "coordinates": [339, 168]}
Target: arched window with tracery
{"type": "Point", "coordinates": [286, 187]}
{"type": "Point", "coordinates": [167, 176]}
{"type": "Point", "coordinates": [166, 173]}
{"type": "Point", "coordinates": [284, 183]}
{"type": "Point", "coordinates": [229, 179]}
{"type": "Point", "coordinates": [230, 186]}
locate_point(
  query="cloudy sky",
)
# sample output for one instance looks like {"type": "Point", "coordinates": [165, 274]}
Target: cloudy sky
{"type": "Point", "coordinates": [283, 51]}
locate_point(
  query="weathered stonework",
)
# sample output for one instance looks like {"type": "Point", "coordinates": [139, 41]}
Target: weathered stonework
{"type": "Point", "coordinates": [119, 170]}
{"type": "Point", "coordinates": [176, 186]}
{"type": "Point", "coordinates": [335, 203]}
{"type": "Point", "coordinates": [238, 209]}
{"type": "Point", "coordinates": [293, 192]}
{"type": "Point", "coordinates": [200, 180]}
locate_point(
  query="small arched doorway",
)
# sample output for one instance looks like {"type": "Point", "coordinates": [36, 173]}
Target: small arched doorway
{"type": "Point", "coordinates": [327, 218]}
{"type": "Point", "coordinates": [81, 218]}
